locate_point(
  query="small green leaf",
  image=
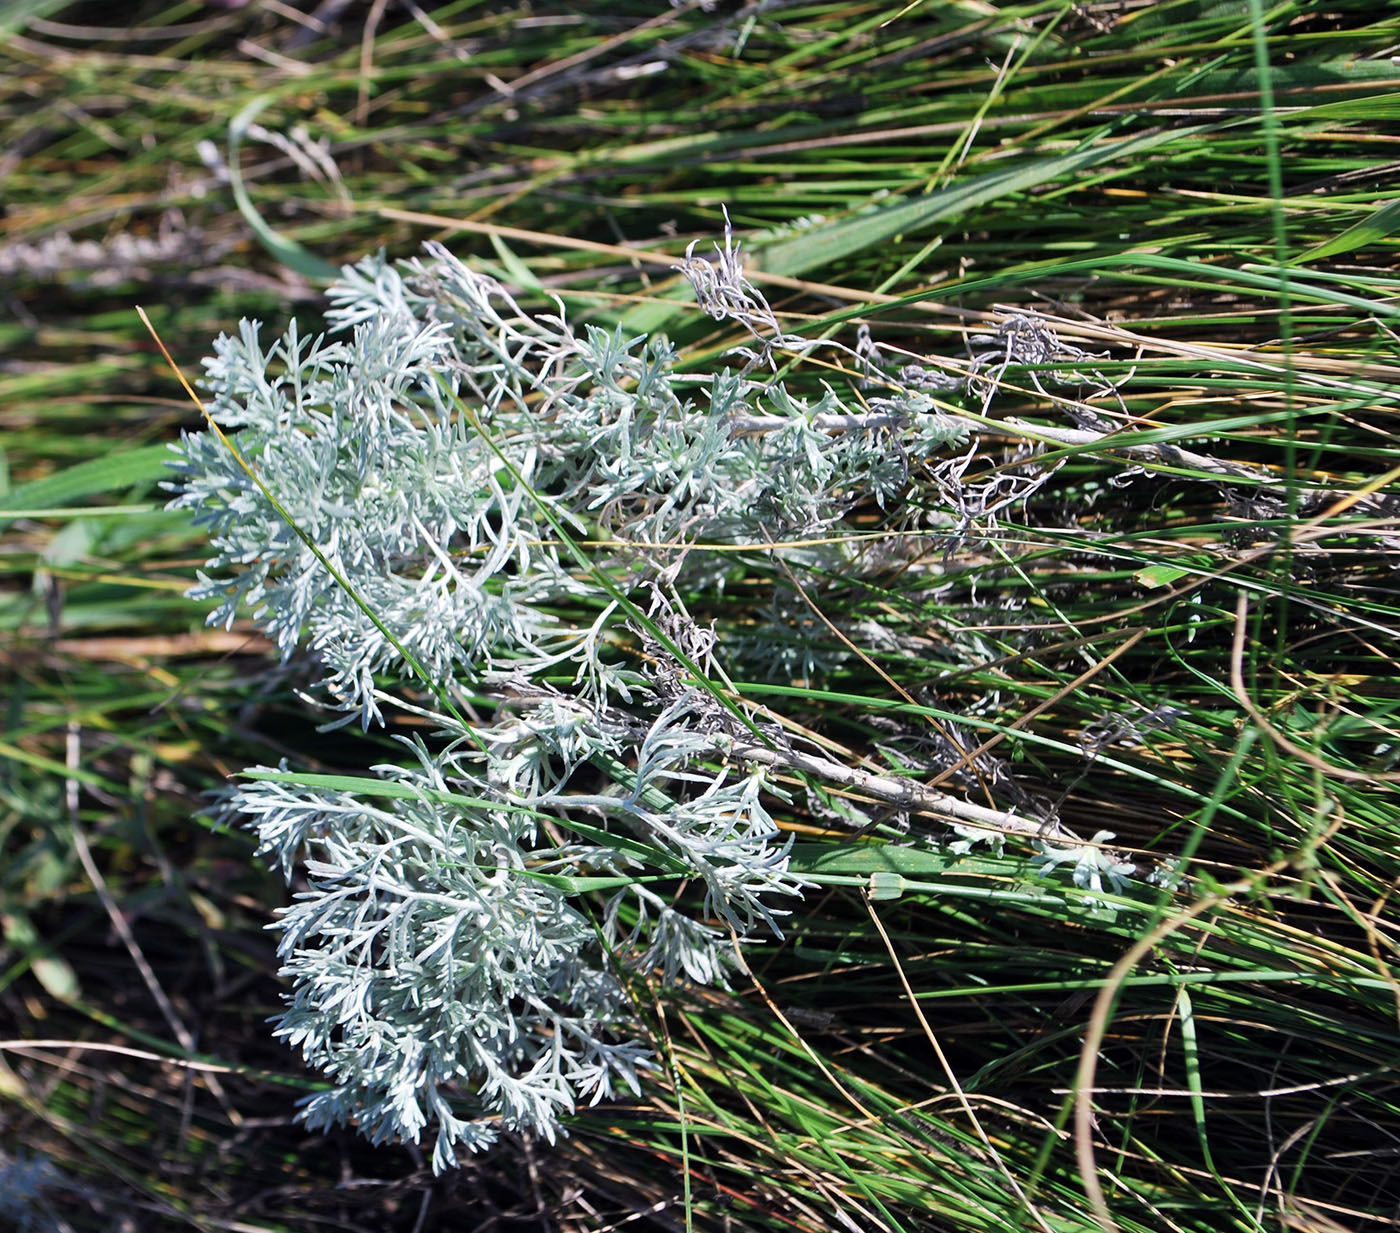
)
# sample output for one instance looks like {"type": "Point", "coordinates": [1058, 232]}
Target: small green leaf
{"type": "Point", "coordinates": [57, 977]}
{"type": "Point", "coordinates": [1158, 575]}
{"type": "Point", "coordinates": [71, 543]}
{"type": "Point", "coordinates": [288, 252]}
{"type": "Point", "coordinates": [1376, 226]}
{"type": "Point", "coordinates": [516, 270]}
{"type": "Point", "coordinates": [125, 469]}
{"type": "Point", "coordinates": [870, 858]}
{"type": "Point", "coordinates": [885, 885]}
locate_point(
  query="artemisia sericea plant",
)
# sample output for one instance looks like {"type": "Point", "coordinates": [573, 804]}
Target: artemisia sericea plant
{"type": "Point", "coordinates": [447, 495]}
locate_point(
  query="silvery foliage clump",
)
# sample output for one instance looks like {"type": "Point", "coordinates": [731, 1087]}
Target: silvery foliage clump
{"type": "Point", "coordinates": [444, 527]}
{"type": "Point", "coordinates": [440, 448]}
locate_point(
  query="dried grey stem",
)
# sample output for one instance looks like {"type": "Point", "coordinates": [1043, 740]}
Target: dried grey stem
{"type": "Point", "coordinates": [105, 263]}
{"type": "Point", "coordinates": [903, 793]}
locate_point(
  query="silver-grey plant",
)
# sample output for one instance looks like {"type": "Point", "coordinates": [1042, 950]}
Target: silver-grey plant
{"type": "Point", "coordinates": [405, 498]}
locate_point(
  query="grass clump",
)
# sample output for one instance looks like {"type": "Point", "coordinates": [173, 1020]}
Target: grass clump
{"type": "Point", "coordinates": [1030, 571]}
